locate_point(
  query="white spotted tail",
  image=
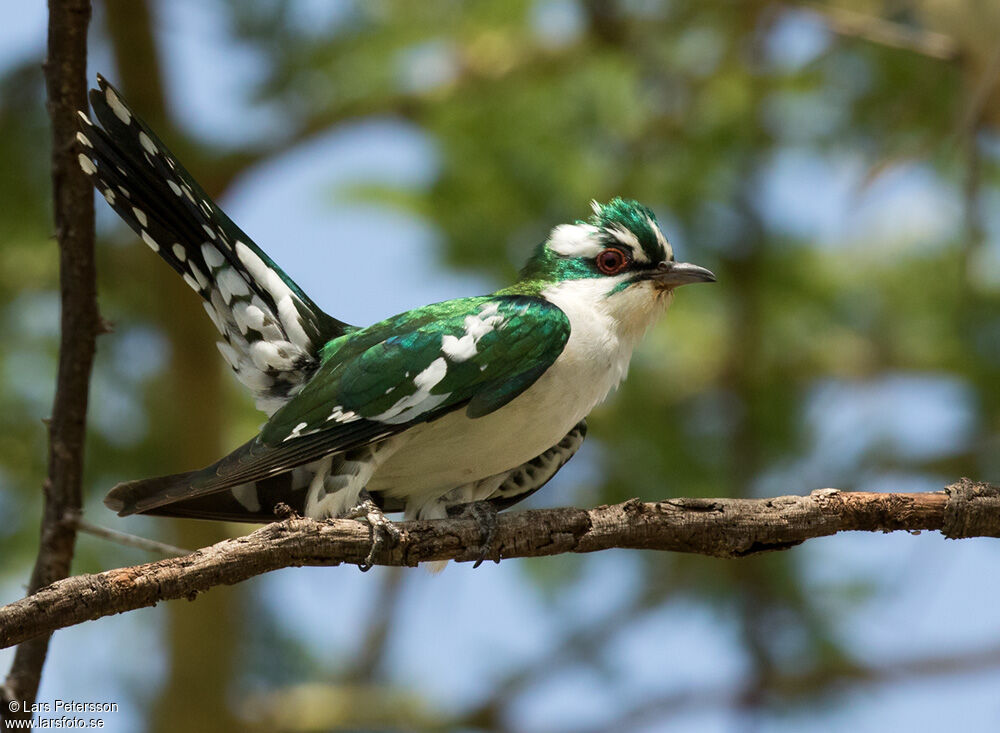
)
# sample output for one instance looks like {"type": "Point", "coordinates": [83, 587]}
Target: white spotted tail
{"type": "Point", "coordinates": [271, 331]}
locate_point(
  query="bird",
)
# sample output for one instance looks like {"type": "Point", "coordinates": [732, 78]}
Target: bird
{"type": "Point", "coordinates": [468, 404]}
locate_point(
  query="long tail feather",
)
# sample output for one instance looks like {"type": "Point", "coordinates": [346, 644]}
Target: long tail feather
{"type": "Point", "coordinates": [173, 496]}
{"type": "Point", "coordinates": [271, 331]}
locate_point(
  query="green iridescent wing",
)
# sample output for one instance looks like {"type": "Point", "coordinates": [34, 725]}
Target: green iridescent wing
{"type": "Point", "coordinates": [475, 354]}
{"type": "Point", "coordinates": [478, 352]}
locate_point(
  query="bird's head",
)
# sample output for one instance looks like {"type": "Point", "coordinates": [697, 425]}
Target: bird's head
{"type": "Point", "coordinates": [619, 256]}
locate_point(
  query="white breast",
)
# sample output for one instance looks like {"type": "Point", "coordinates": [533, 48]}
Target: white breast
{"type": "Point", "coordinates": [455, 450]}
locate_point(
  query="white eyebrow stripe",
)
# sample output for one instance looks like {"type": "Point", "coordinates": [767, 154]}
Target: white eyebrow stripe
{"type": "Point", "coordinates": [630, 240]}
{"type": "Point", "coordinates": [575, 240]}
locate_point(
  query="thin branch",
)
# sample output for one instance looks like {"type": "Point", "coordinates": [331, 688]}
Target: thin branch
{"type": "Point", "coordinates": [65, 77]}
{"type": "Point", "coordinates": [720, 527]}
{"type": "Point", "coordinates": [130, 540]}
{"type": "Point", "coordinates": [979, 96]}
{"type": "Point", "coordinates": [847, 22]}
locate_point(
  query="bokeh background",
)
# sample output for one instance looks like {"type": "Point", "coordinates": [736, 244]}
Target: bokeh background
{"type": "Point", "coordinates": [837, 164]}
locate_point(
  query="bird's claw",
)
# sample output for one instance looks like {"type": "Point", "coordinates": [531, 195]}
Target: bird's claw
{"type": "Point", "coordinates": [380, 527]}
{"type": "Point", "coordinates": [485, 515]}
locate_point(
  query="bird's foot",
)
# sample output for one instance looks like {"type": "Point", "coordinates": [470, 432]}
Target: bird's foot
{"type": "Point", "coordinates": [485, 515]}
{"type": "Point", "coordinates": [381, 528]}
{"type": "Point", "coordinates": [283, 511]}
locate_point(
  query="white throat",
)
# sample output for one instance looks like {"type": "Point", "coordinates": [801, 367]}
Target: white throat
{"type": "Point", "coordinates": [604, 329]}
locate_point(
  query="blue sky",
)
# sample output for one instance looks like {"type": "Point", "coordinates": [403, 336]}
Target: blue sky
{"type": "Point", "coordinates": [463, 629]}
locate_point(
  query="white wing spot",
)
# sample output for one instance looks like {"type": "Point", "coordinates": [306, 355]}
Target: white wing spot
{"type": "Point", "coordinates": [199, 276]}
{"type": "Point", "coordinates": [147, 144]}
{"type": "Point", "coordinates": [231, 284]}
{"type": "Point", "coordinates": [209, 231]}
{"type": "Point", "coordinates": [240, 316]}
{"type": "Point", "coordinates": [267, 355]}
{"type": "Point", "coordinates": [230, 354]}
{"type": "Point", "coordinates": [179, 252]}
{"type": "Point", "coordinates": [216, 321]}
{"type": "Point", "coordinates": [409, 407]}
{"type": "Point", "coordinates": [213, 258]}
{"type": "Point", "coordinates": [289, 316]}
{"type": "Point", "coordinates": [296, 431]}
{"type": "Point", "coordinates": [117, 107]}
{"type": "Point", "coordinates": [246, 495]}
{"type": "Point", "coordinates": [174, 187]}
{"type": "Point", "coordinates": [254, 264]}
{"type": "Point", "coordinates": [254, 317]}
{"type": "Point", "coordinates": [140, 215]}
{"type": "Point", "coordinates": [280, 293]}
{"type": "Point", "coordinates": [257, 381]}
{"type": "Point", "coordinates": [84, 140]}
{"type": "Point", "coordinates": [458, 349]}
{"type": "Point", "coordinates": [150, 241]}
{"type": "Point", "coordinates": [192, 283]}
{"type": "Point", "coordinates": [337, 414]}
{"type": "Point", "coordinates": [86, 164]}
{"type": "Point", "coordinates": [109, 196]}
{"type": "Point", "coordinates": [477, 326]}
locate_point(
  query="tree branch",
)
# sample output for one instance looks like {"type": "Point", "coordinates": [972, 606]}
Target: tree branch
{"type": "Point", "coordinates": [65, 77]}
{"type": "Point", "coordinates": [727, 528]}
{"type": "Point", "coordinates": [847, 22]}
{"type": "Point", "coordinates": [130, 540]}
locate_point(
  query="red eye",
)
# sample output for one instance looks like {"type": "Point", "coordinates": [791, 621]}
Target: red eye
{"type": "Point", "coordinates": [611, 261]}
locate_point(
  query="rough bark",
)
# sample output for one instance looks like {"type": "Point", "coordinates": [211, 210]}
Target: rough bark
{"type": "Point", "coordinates": [65, 77]}
{"type": "Point", "coordinates": [729, 528]}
